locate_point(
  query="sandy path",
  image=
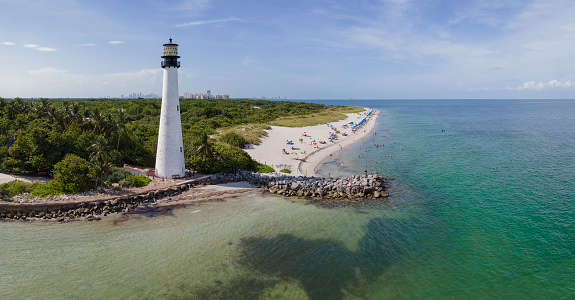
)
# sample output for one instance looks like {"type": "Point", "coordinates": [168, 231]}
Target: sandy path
{"type": "Point", "coordinates": [271, 149]}
{"type": "Point", "coordinates": [7, 178]}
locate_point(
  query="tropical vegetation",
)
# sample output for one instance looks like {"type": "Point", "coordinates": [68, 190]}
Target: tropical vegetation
{"type": "Point", "coordinates": [89, 138]}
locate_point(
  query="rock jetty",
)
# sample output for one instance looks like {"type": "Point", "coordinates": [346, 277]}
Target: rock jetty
{"type": "Point", "coordinates": [354, 188]}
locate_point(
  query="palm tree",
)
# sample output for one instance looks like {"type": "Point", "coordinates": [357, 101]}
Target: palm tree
{"type": "Point", "coordinates": [76, 114]}
{"type": "Point", "coordinates": [20, 105]}
{"type": "Point", "coordinates": [99, 121]}
{"type": "Point", "coordinates": [65, 114]}
{"type": "Point", "coordinates": [120, 124]}
{"type": "Point", "coordinates": [41, 109]}
{"type": "Point", "coordinates": [204, 148]}
{"type": "Point", "coordinates": [101, 156]}
{"type": "Point", "coordinates": [10, 111]}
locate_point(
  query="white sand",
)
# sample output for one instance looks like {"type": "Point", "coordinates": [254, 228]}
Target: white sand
{"type": "Point", "coordinates": [7, 178]}
{"type": "Point", "coordinates": [270, 150]}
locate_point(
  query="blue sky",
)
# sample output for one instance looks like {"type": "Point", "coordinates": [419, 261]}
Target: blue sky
{"type": "Point", "coordinates": [313, 49]}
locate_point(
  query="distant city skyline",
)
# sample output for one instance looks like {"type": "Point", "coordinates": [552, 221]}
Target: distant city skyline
{"type": "Point", "coordinates": [139, 95]}
{"type": "Point", "coordinates": [319, 49]}
{"type": "Point", "coordinates": [206, 95]}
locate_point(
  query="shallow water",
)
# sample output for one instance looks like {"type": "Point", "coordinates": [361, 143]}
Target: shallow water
{"type": "Point", "coordinates": [483, 209]}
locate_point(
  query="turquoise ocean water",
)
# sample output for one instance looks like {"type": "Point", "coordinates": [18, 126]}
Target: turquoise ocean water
{"type": "Point", "coordinates": [481, 207]}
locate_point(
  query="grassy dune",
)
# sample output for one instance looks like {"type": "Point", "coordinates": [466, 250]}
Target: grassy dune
{"type": "Point", "coordinates": [253, 132]}
{"type": "Point", "coordinates": [330, 114]}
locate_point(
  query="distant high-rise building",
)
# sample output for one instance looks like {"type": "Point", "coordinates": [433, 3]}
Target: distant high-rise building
{"type": "Point", "coordinates": [206, 96]}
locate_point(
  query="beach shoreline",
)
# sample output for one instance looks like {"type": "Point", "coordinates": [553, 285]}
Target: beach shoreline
{"type": "Point", "coordinates": [310, 146]}
{"type": "Point", "coordinates": [304, 156]}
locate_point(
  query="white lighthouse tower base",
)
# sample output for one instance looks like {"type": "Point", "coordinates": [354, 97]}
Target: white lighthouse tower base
{"type": "Point", "coordinates": [170, 152]}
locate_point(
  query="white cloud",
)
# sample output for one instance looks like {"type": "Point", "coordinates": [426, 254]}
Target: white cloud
{"type": "Point", "coordinates": [197, 23]}
{"type": "Point", "coordinates": [503, 45]}
{"type": "Point", "coordinates": [8, 43]}
{"type": "Point", "coordinates": [116, 42]}
{"type": "Point", "coordinates": [45, 49]}
{"type": "Point", "coordinates": [538, 86]}
{"type": "Point", "coordinates": [86, 45]}
{"type": "Point", "coordinates": [37, 47]}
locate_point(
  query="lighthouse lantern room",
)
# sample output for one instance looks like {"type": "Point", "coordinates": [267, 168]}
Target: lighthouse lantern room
{"type": "Point", "coordinates": [170, 55]}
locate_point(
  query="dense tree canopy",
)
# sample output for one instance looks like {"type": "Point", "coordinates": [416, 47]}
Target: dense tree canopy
{"type": "Point", "coordinates": [107, 132]}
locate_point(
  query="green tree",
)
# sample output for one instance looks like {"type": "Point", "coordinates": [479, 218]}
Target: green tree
{"type": "Point", "coordinates": [4, 125]}
{"type": "Point", "coordinates": [120, 124]}
{"type": "Point", "coordinates": [203, 149]}
{"type": "Point", "coordinates": [40, 148]}
{"type": "Point", "coordinates": [234, 139]}
{"type": "Point", "coordinates": [98, 121]}
{"type": "Point", "coordinates": [71, 175]}
{"type": "Point", "coordinates": [42, 108]}
{"type": "Point", "coordinates": [227, 158]}
{"type": "Point", "coordinates": [102, 156]}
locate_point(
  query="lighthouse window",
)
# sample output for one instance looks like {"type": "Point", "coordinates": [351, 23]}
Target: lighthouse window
{"type": "Point", "coordinates": [177, 107]}
{"type": "Point", "coordinates": [180, 149]}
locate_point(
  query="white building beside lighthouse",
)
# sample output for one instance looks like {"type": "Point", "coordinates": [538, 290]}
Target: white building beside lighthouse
{"type": "Point", "coordinates": [170, 153]}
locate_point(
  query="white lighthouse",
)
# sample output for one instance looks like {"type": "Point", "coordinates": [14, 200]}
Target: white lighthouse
{"type": "Point", "coordinates": [170, 154]}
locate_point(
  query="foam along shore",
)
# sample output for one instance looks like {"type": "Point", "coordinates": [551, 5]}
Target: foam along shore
{"type": "Point", "coordinates": [302, 149]}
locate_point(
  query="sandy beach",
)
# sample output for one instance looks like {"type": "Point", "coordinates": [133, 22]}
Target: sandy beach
{"type": "Point", "coordinates": [307, 148]}
{"type": "Point", "coordinates": [311, 145]}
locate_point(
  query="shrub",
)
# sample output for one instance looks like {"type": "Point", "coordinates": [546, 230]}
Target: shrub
{"type": "Point", "coordinates": [71, 175]}
{"type": "Point", "coordinates": [46, 189]}
{"type": "Point", "coordinates": [223, 158]}
{"type": "Point", "coordinates": [234, 139]}
{"type": "Point", "coordinates": [285, 171]}
{"type": "Point", "coordinates": [117, 174]}
{"type": "Point", "coordinates": [16, 187]}
{"type": "Point", "coordinates": [135, 181]}
{"type": "Point", "coordinates": [261, 168]}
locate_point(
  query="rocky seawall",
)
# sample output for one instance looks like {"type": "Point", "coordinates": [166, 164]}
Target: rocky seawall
{"type": "Point", "coordinates": [354, 188]}
{"type": "Point", "coordinates": [89, 210]}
